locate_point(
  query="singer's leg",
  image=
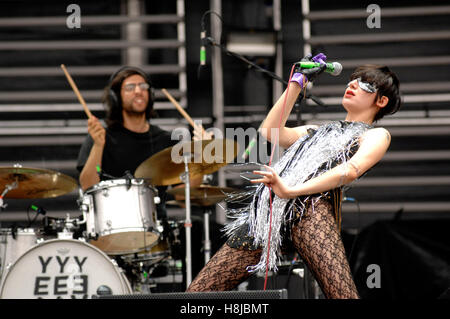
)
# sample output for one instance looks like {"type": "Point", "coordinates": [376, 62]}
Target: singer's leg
{"type": "Point", "coordinates": [317, 240]}
{"type": "Point", "coordinates": [225, 270]}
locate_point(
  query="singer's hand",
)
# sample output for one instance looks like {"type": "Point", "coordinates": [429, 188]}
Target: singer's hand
{"type": "Point", "coordinates": [271, 179]}
{"type": "Point", "coordinates": [312, 73]}
{"type": "Point", "coordinates": [97, 131]}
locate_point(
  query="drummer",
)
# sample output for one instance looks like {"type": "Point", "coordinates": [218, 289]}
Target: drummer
{"type": "Point", "coordinates": [129, 138]}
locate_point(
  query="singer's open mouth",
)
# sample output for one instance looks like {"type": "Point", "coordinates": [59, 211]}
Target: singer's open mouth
{"type": "Point", "coordinates": [349, 93]}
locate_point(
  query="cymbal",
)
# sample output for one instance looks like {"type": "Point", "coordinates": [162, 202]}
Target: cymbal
{"type": "Point", "coordinates": [35, 182]}
{"type": "Point", "coordinates": [203, 195]}
{"type": "Point", "coordinates": [203, 191]}
{"type": "Point", "coordinates": [198, 203]}
{"type": "Point", "coordinates": [205, 157]}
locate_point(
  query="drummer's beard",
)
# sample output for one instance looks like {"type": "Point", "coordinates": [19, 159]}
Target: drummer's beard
{"type": "Point", "coordinates": [137, 106]}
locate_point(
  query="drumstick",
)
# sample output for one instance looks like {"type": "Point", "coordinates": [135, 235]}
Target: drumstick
{"type": "Point", "coordinates": [181, 110]}
{"type": "Point", "coordinates": [75, 89]}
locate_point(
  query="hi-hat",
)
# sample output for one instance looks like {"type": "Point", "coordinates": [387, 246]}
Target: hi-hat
{"type": "Point", "coordinates": [205, 157]}
{"type": "Point", "coordinates": [35, 182]}
{"type": "Point", "coordinates": [203, 195]}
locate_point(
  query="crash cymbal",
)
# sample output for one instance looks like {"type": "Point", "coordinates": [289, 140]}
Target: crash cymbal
{"type": "Point", "coordinates": [203, 195]}
{"type": "Point", "coordinates": [205, 157]}
{"type": "Point", "coordinates": [194, 202]}
{"type": "Point", "coordinates": [35, 182]}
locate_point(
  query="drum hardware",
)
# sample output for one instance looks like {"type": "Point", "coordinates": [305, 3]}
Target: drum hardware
{"type": "Point", "coordinates": [204, 196]}
{"type": "Point", "coordinates": [8, 187]}
{"type": "Point", "coordinates": [63, 228]}
{"type": "Point", "coordinates": [187, 223]}
{"type": "Point", "coordinates": [85, 204]}
{"type": "Point", "coordinates": [70, 224]}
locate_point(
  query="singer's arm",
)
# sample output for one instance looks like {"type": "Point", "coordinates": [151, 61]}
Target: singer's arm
{"type": "Point", "coordinates": [374, 144]}
{"type": "Point", "coordinates": [287, 135]}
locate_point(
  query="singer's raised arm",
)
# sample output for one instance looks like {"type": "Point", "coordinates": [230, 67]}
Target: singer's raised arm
{"type": "Point", "coordinates": [287, 135]}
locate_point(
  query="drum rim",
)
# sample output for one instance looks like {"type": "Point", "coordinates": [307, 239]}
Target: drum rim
{"type": "Point", "coordinates": [23, 230]}
{"type": "Point", "coordinates": [118, 182]}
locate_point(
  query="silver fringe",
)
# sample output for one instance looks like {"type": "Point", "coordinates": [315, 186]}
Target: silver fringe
{"type": "Point", "coordinates": [310, 156]}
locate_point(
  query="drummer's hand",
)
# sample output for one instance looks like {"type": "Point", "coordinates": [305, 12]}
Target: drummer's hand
{"type": "Point", "coordinates": [97, 131]}
{"type": "Point", "coordinates": [271, 179]}
{"type": "Point", "coordinates": [201, 134]}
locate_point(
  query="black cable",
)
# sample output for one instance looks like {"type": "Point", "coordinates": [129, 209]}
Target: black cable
{"type": "Point", "coordinates": [28, 217]}
{"type": "Point", "coordinates": [291, 266]}
{"type": "Point", "coordinates": [202, 20]}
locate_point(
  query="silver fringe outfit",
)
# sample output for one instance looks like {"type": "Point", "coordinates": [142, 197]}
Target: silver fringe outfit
{"type": "Point", "coordinates": [311, 155]}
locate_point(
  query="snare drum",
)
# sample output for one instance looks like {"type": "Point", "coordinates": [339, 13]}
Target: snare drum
{"type": "Point", "coordinates": [13, 244]}
{"type": "Point", "coordinates": [122, 213]}
{"type": "Point", "coordinates": [65, 268]}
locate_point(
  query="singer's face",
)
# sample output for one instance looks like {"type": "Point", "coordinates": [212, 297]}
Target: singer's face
{"type": "Point", "coordinates": [134, 93]}
{"type": "Point", "coordinates": [357, 97]}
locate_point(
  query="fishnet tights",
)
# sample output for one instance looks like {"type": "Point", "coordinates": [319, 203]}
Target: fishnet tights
{"type": "Point", "coordinates": [316, 239]}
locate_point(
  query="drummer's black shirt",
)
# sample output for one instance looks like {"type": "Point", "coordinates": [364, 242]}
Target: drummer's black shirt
{"type": "Point", "coordinates": [125, 150]}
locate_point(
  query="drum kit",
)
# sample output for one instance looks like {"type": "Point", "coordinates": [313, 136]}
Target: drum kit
{"type": "Point", "coordinates": [77, 257]}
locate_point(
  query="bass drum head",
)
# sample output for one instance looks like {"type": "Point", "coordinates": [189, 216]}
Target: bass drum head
{"type": "Point", "coordinates": [63, 269]}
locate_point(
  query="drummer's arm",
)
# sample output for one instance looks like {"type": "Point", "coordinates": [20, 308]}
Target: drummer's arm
{"type": "Point", "coordinates": [89, 176]}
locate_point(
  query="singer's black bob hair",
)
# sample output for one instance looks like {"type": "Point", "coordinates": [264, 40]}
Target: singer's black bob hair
{"type": "Point", "coordinates": [385, 81]}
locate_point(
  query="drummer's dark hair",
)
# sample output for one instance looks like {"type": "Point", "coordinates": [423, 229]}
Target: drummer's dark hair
{"type": "Point", "coordinates": [112, 97]}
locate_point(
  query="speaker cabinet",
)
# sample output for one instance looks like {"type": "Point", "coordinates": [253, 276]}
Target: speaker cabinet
{"type": "Point", "coordinates": [256, 294]}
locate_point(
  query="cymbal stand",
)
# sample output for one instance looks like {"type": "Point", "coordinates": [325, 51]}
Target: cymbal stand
{"type": "Point", "coordinates": [187, 223]}
{"type": "Point", "coordinates": [8, 187]}
{"type": "Point", "coordinates": [207, 241]}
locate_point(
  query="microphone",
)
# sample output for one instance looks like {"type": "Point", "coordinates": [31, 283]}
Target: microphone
{"type": "Point", "coordinates": [249, 148]}
{"type": "Point", "coordinates": [38, 209]}
{"type": "Point", "coordinates": [202, 48]}
{"type": "Point", "coordinates": [334, 68]}
{"type": "Point", "coordinates": [202, 53]}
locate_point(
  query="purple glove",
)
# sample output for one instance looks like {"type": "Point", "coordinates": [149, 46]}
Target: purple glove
{"type": "Point", "coordinates": [303, 75]}
{"type": "Point", "coordinates": [299, 78]}
{"type": "Point", "coordinates": [320, 58]}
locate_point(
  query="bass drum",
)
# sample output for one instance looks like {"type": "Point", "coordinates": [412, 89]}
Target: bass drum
{"type": "Point", "coordinates": [63, 269]}
{"type": "Point", "coordinates": [13, 244]}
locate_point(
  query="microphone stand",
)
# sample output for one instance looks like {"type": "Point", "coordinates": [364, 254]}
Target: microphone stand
{"type": "Point", "coordinates": [315, 99]}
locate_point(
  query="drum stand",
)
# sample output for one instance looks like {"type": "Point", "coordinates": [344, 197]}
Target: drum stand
{"type": "Point", "coordinates": [188, 222]}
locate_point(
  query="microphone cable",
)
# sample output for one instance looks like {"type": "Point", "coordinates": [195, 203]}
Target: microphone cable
{"type": "Point", "coordinates": [270, 163]}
